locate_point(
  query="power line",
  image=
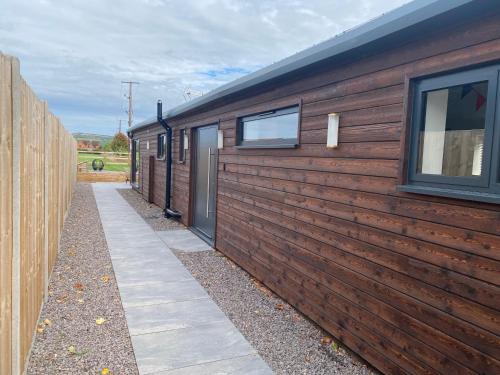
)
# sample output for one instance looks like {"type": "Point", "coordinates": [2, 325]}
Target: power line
{"type": "Point", "coordinates": [130, 111]}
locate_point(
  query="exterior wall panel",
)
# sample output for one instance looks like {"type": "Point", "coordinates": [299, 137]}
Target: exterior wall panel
{"type": "Point", "coordinates": [409, 282]}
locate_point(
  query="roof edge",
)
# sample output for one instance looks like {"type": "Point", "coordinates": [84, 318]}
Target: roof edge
{"type": "Point", "coordinates": [405, 16]}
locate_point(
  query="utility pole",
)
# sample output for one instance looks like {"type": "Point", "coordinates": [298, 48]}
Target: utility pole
{"type": "Point", "coordinates": [129, 97]}
{"type": "Point", "coordinates": [119, 125]}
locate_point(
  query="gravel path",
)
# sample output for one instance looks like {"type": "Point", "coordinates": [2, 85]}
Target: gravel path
{"type": "Point", "coordinates": [288, 342]}
{"type": "Point", "coordinates": [151, 213]}
{"type": "Point", "coordinates": [82, 290]}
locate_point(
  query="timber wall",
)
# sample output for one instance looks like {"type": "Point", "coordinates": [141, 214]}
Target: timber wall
{"type": "Point", "coordinates": [150, 135]}
{"type": "Point", "coordinates": [409, 282]}
{"type": "Point", "coordinates": [37, 175]}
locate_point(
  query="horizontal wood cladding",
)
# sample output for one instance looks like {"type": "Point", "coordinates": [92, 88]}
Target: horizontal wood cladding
{"type": "Point", "coordinates": [150, 135]}
{"type": "Point", "coordinates": [409, 282]}
{"type": "Point", "coordinates": [180, 174]}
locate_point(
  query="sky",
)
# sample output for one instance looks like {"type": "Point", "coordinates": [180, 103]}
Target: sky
{"type": "Point", "coordinates": [75, 54]}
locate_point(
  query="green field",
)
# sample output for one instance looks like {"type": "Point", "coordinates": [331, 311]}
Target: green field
{"type": "Point", "coordinates": [111, 162]}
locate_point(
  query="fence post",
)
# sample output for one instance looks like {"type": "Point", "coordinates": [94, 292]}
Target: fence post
{"type": "Point", "coordinates": [16, 217]}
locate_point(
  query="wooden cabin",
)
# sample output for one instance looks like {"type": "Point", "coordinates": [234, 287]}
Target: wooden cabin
{"type": "Point", "coordinates": [360, 181]}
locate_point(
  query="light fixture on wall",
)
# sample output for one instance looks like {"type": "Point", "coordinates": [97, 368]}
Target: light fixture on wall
{"type": "Point", "coordinates": [332, 137]}
{"type": "Point", "coordinates": [186, 140]}
{"type": "Point", "coordinates": [220, 139]}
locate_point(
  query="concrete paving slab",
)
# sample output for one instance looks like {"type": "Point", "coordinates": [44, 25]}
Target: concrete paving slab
{"type": "Point", "coordinates": [247, 365]}
{"type": "Point", "coordinates": [154, 273]}
{"type": "Point", "coordinates": [183, 240]}
{"type": "Point", "coordinates": [174, 324]}
{"type": "Point", "coordinates": [125, 253]}
{"type": "Point", "coordinates": [190, 346]}
{"type": "Point", "coordinates": [169, 316]}
{"type": "Point", "coordinates": [154, 294]}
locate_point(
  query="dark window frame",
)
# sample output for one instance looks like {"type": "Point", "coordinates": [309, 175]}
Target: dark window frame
{"type": "Point", "coordinates": [482, 188]}
{"type": "Point", "coordinates": [161, 145]}
{"type": "Point", "coordinates": [269, 143]}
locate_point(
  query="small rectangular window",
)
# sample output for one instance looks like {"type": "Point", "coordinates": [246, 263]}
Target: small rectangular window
{"type": "Point", "coordinates": [161, 145]}
{"type": "Point", "coordinates": [279, 128]}
{"type": "Point", "coordinates": [136, 163]}
{"type": "Point", "coordinates": [454, 142]}
{"type": "Point", "coordinates": [182, 151]}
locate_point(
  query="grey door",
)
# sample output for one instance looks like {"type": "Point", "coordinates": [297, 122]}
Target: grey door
{"type": "Point", "coordinates": [205, 178]}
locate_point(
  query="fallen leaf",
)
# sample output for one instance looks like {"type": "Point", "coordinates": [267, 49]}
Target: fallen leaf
{"type": "Point", "coordinates": [100, 321]}
{"type": "Point", "coordinates": [61, 299]}
{"type": "Point", "coordinates": [71, 350]}
{"type": "Point", "coordinates": [335, 346]}
{"type": "Point", "coordinates": [80, 300]}
{"type": "Point", "coordinates": [105, 279]}
{"type": "Point", "coordinates": [72, 252]}
{"type": "Point", "coordinates": [105, 371]}
{"type": "Point", "coordinates": [40, 328]}
{"type": "Point", "coordinates": [279, 306]}
{"type": "Point", "coordinates": [296, 317]}
{"type": "Point", "coordinates": [326, 340]}
{"type": "Point", "coordinates": [47, 322]}
{"type": "Point", "coordinates": [78, 286]}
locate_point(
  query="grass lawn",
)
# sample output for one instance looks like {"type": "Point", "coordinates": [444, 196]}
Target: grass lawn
{"type": "Point", "coordinates": [111, 163]}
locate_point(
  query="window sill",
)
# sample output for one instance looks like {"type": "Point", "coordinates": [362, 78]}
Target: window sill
{"type": "Point", "coordinates": [243, 147]}
{"type": "Point", "coordinates": [450, 193]}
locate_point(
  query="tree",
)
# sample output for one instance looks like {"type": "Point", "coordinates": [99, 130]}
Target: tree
{"type": "Point", "coordinates": [119, 143]}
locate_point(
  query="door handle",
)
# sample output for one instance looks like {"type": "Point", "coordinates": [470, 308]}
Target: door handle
{"type": "Point", "coordinates": [208, 178]}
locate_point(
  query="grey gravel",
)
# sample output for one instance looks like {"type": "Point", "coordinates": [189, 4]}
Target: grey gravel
{"type": "Point", "coordinates": [77, 297]}
{"type": "Point", "coordinates": [286, 340]}
{"type": "Point", "coordinates": [151, 213]}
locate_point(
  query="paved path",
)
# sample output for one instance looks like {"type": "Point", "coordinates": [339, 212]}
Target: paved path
{"type": "Point", "coordinates": [176, 328]}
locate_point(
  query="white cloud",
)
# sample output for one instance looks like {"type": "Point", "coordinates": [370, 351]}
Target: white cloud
{"type": "Point", "coordinates": [75, 54]}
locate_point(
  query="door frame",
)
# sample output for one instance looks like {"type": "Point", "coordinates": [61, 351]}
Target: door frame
{"type": "Point", "coordinates": [193, 146]}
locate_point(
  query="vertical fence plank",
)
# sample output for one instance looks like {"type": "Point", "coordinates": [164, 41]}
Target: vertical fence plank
{"type": "Point", "coordinates": [5, 214]}
{"type": "Point", "coordinates": [46, 264]}
{"type": "Point", "coordinates": [37, 177]}
{"type": "Point", "coordinates": [16, 216]}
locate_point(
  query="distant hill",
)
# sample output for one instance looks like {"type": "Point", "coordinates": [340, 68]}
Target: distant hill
{"type": "Point", "coordinates": [102, 139]}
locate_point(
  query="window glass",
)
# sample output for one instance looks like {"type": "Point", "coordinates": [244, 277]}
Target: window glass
{"type": "Point", "coordinates": [452, 131]}
{"type": "Point", "coordinates": [137, 162]}
{"type": "Point", "coordinates": [160, 148]}
{"type": "Point", "coordinates": [270, 128]}
{"type": "Point", "coordinates": [279, 127]}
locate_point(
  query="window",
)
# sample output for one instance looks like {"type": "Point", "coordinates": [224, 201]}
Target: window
{"type": "Point", "coordinates": [278, 128]}
{"type": "Point", "coordinates": [161, 145]}
{"type": "Point", "coordinates": [136, 163]}
{"type": "Point", "coordinates": [455, 136]}
{"type": "Point", "coordinates": [182, 151]}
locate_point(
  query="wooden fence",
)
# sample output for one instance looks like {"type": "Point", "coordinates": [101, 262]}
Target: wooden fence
{"type": "Point", "coordinates": [37, 175]}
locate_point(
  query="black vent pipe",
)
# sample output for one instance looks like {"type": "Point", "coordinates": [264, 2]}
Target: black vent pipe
{"type": "Point", "coordinates": [169, 212]}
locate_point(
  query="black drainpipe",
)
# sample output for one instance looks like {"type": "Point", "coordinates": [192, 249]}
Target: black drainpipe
{"type": "Point", "coordinates": [169, 212]}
